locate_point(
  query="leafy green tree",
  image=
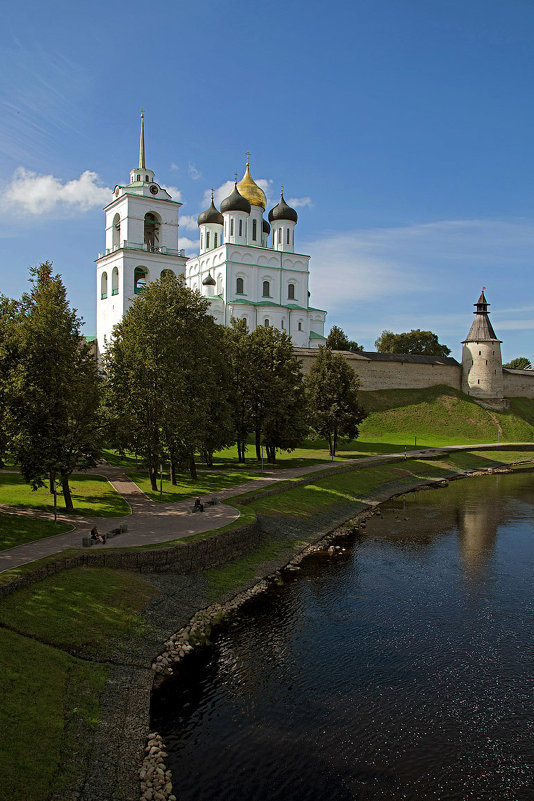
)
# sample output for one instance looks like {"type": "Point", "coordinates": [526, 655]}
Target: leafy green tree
{"type": "Point", "coordinates": [217, 430]}
{"type": "Point", "coordinates": [160, 370]}
{"type": "Point", "coordinates": [54, 399]}
{"type": "Point", "coordinates": [332, 393]}
{"type": "Point", "coordinates": [416, 341]}
{"type": "Point", "coordinates": [267, 389]}
{"type": "Point", "coordinates": [338, 340]}
{"type": "Point", "coordinates": [277, 392]}
{"type": "Point", "coordinates": [237, 347]}
{"type": "Point", "coordinates": [9, 355]}
{"type": "Point", "coordinates": [519, 363]}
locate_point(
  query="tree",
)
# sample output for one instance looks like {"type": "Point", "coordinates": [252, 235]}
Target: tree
{"type": "Point", "coordinates": [9, 356]}
{"type": "Point", "coordinates": [161, 375]}
{"type": "Point", "coordinates": [520, 363]}
{"type": "Point", "coordinates": [332, 393]}
{"type": "Point", "coordinates": [267, 389]}
{"type": "Point", "coordinates": [338, 340]}
{"type": "Point", "coordinates": [237, 344]}
{"type": "Point", "coordinates": [416, 341]}
{"type": "Point", "coordinates": [54, 399]}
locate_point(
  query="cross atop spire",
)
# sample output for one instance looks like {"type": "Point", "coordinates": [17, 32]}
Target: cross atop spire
{"type": "Point", "coordinates": [248, 158]}
{"type": "Point", "coordinates": [142, 142]}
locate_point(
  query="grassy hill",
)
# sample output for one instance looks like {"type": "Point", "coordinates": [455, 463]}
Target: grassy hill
{"type": "Point", "coordinates": [441, 415]}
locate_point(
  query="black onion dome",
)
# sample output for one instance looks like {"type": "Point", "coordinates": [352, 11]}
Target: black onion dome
{"type": "Point", "coordinates": [266, 227]}
{"type": "Point", "coordinates": [283, 212]}
{"type": "Point", "coordinates": [211, 215]}
{"type": "Point", "coordinates": [235, 202]}
{"type": "Point", "coordinates": [209, 280]}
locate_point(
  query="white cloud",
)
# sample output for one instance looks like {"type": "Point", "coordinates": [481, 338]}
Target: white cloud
{"type": "Point", "coordinates": [385, 262]}
{"type": "Point", "coordinates": [189, 222]}
{"type": "Point", "coordinates": [173, 191]}
{"type": "Point", "coordinates": [221, 192]}
{"type": "Point", "coordinates": [193, 172]}
{"type": "Point", "coordinates": [189, 245]}
{"type": "Point", "coordinates": [32, 194]}
{"type": "Point", "coordinates": [300, 202]}
{"type": "Point", "coordinates": [174, 166]}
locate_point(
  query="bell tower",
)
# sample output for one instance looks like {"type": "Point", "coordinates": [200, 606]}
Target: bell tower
{"type": "Point", "coordinates": [141, 242]}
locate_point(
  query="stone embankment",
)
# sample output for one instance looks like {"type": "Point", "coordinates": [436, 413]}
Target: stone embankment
{"type": "Point", "coordinates": [156, 784]}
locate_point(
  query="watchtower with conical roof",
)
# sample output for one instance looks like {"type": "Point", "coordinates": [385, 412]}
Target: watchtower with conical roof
{"type": "Point", "coordinates": [482, 375]}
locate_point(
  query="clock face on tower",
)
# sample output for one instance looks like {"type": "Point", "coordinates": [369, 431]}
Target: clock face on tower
{"type": "Point", "coordinates": [154, 189]}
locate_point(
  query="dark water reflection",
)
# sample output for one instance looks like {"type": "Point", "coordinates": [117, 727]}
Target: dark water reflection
{"type": "Point", "coordinates": [399, 670]}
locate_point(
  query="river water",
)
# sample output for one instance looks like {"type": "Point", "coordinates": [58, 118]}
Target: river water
{"type": "Point", "coordinates": [400, 669]}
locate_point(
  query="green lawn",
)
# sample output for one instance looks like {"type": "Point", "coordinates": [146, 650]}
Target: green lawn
{"type": "Point", "coordinates": [45, 690]}
{"type": "Point", "coordinates": [441, 416]}
{"type": "Point", "coordinates": [209, 481]}
{"type": "Point", "coordinates": [79, 610]}
{"type": "Point", "coordinates": [91, 495]}
{"type": "Point", "coordinates": [17, 529]}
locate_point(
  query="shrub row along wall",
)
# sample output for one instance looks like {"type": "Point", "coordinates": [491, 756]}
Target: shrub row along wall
{"type": "Point", "coordinates": [186, 557]}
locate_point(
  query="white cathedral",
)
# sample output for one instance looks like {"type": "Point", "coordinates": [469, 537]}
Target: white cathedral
{"type": "Point", "coordinates": [237, 270]}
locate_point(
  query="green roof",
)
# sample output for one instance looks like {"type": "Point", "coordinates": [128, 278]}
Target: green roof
{"type": "Point", "coordinates": [314, 335]}
{"type": "Point", "coordinates": [91, 338]}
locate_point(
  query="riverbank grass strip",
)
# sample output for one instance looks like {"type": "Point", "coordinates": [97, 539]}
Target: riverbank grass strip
{"type": "Point", "coordinates": [81, 610]}
{"type": "Point", "coordinates": [91, 495]}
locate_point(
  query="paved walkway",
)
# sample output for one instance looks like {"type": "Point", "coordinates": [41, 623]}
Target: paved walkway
{"type": "Point", "coordinates": [151, 522]}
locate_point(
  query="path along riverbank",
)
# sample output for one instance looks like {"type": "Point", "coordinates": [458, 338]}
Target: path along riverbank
{"type": "Point", "coordinates": [187, 605]}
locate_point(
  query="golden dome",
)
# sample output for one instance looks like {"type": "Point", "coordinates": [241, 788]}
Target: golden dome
{"type": "Point", "coordinates": [248, 187]}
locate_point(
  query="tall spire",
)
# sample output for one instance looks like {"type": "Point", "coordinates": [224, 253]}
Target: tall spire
{"type": "Point", "coordinates": [142, 143]}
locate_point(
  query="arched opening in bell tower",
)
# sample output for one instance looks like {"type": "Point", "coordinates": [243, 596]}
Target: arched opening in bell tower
{"type": "Point", "coordinates": [140, 279]}
{"type": "Point", "coordinates": [116, 240]}
{"type": "Point", "coordinates": [151, 238]}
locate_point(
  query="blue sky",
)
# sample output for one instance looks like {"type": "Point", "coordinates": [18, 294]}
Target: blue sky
{"type": "Point", "coordinates": [403, 129]}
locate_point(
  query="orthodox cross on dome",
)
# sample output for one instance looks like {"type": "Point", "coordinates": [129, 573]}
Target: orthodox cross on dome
{"type": "Point", "coordinates": [282, 190]}
{"type": "Point", "coordinates": [212, 194]}
{"type": "Point", "coordinates": [247, 154]}
{"type": "Point", "coordinates": [142, 142]}
{"type": "Point", "coordinates": [235, 178]}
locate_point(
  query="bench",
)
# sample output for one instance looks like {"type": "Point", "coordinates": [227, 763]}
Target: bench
{"type": "Point", "coordinates": [87, 542]}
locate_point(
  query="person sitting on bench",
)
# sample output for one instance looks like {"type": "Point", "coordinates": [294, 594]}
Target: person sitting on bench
{"type": "Point", "coordinates": [198, 507]}
{"type": "Point", "coordinates": [96, 537]}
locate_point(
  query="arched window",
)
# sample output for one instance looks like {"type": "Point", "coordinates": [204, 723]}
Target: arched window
{"type": "Point", "coordinates": [201, 241]}
{"type": "Point", "coordinates": [138, 177]}
{"type": "Point", "coordinates": [282, 325]}
{"type": "Point", "coordinates": [214, 240]}
{"type": "Point", "coordinates": [291, 291]}
{"type": "Point", "coordinates": [166, 272]}
{"type": "Point", "coordinates": [287, 237]}
{"type": "Point", "coordinates": [219, 284]}
{"type": "Point", "coordinates": [140, 276]}
{"type": "Point", "coordinates": [207, 240]}
{"type": "Point", "coordinates": [115, 281]}
{"type": "Point", "coordinates": [232, 226]}
{"type": "Point", "coordinates": [104, 286]}
{"type": "Point", "coordinates": [266, 322]}
{"type": "Point", "coordinates": [266, 289]}
{"type": "Point", "coordinates": [240, 227]}
{"type": "Point", "coordinates": [254, 229]}
{"type": "Point", "coordinates": [279, 236]}
{"type": "Point", "coordinates": [146, 178]}
{"type": "Point", "coordinates": [239, 286]}
{"type": "Point", "coordinates": [116, 234]}
{"type": "Point", "coordinates": [151, 231]}
{"type": "Point", "coordinates": [300, 326]}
